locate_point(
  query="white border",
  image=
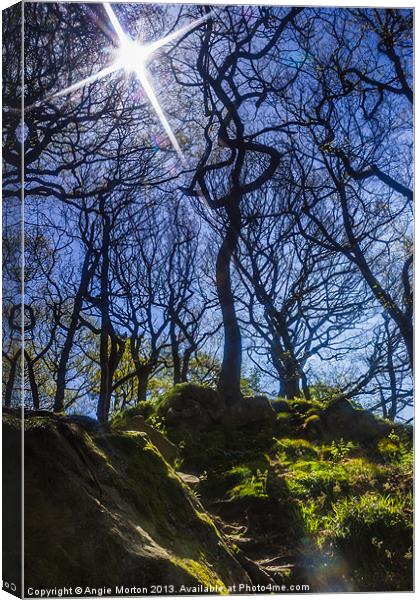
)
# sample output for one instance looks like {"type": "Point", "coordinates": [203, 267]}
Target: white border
{"type": "Point", "coordinates": [339, 3]}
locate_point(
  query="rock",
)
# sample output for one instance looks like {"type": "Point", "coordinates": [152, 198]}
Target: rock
{"type": "Point", "coordinates": [87, 423]}
{"type": "Point", "coordinates": [191, 407]}
{"type": "Point", "coordinates": [341, 420]}
{"type": "Point", "coordinates": [313, 427]}
{"type": "Point", "coordinates": [106, 510]}
{"type": "Point", "coordinates": [137, 423]}
{"type": "Point", "coordinates": [249, 410]}
{"type": "Point", "coordinates": [189, 479]}
{"type": "Point", "coordinates": [281, 406]}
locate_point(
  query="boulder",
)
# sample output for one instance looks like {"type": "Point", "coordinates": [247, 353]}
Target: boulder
{"type": "Point", "coordinates": [249, 410]}
{"type": "Point", "coordinates": [191, 407]}
{"type": "Point", "coordinates": [341, 420]}
{"type": "Point", "coordinates": [281, 406]}
{"type": "Point", "coordinates": [87, 423]}
{"type": "Point", "coordinates": [104, 509]}
{"type": "Point", "coordinates": [137, 423]}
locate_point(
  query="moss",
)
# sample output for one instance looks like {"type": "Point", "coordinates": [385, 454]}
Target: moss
{"type": "Point", "coordinates": [205, 451]}
{"type": "Point", "coordinates": [281, 405]}
{"type": "Point", "coordinates": [374, 535]}
{"type": "Point", "coordinates": [321, 488]}
{"type": "Point", "coordinates": [177, 396]}
{"type": "Point", "coordinates": [203, 573]}
{"type": "Point", "coordinates": [150, 483]}
{"type": "Point", "coordinates": [216, 448]}
{"type": "Point", "coordinates": [283, 417]}
{"type": "Point", "coordinates": [116, 512]}
{"type": "Point", "coordinates": [248, 480]}
{"type": "Point", "coordinates": [144, 409]}
{"type": "Point", "coordinates": [396, 448]}
{"type": "Point", "coordinates": [39, 423]}
{"type": "Point", "coordinates": [254, 486]}
{"type": "Point", "coordinates": [305, 407]}
{"type": "Point", "coordinates": [313, 478]}
{"type": "Point", "coordinates": [205, 517]}
{"type": "Point", "coordinates": [312, 420]}
{"type": "Point", "coordinates": [312, 427]}
{"type": "Point", "coordinates": [290, 449]}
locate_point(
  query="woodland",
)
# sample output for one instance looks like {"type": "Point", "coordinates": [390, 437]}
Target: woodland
{"type": "Point", "coordinates": [211, 289]}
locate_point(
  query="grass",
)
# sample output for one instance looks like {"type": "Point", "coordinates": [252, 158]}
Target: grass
{"type": "Point", "coordinates": [253, 482]}
{"type": "Point", "coordinates": [346, 502]}
{"type": "Point", "coordinates": [355, 504]}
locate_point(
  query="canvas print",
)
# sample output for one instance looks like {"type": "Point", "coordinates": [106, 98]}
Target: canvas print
{"type": "Point", "coordinates": [207, 299]}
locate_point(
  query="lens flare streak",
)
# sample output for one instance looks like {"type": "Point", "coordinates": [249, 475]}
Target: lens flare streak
{"type": "Point", "coordinates": [132, 57]}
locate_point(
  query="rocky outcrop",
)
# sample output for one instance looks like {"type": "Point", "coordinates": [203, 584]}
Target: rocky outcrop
{"type": "Point", "coordinates": [137, 423]}
{"type": "Point", "coordinates": [249, 410]}
{"type": "Point", "coordinates": [192, 408]}
{"type": "Point", "coordinates": [340, 419]}
{"type": "Point", "coordinates": [105, 509]}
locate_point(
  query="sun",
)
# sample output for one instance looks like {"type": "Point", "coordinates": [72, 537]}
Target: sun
{"type": "Point", "coordinates": [132, 57]}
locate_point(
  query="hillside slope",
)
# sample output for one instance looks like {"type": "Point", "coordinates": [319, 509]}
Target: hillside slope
{"type": "Point", "coordinates": [105, 509]}
{"type": "Point", "coordinates": [300, 493]}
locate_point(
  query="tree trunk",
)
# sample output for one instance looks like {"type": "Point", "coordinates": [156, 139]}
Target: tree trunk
{"type": "Point", "coordinates": [143, 375]}
{"type": "Point", "coordinates": [10, 385]}
{"type": "Point", "coordinates": [104, 401]}
{"type": "Point", "coordinates": [68, 342]}
{"type": "Point", "coordinates": [289, 374]}
{"type": "Point", "coordinates": [230, 374]}
{"type": "Point", "coordinates": [32, 381]}
{"type": "Point", "coordinates": [291, 386]}
{"type": "Point", "coordinates": [401, 318]}
{"type": "Point", "coordinates": [305, 387]}
{"type": "Point", "coordinates": [392, 412]}
{"type": "Point", "coordinates": [186, 363]}
{"type": "Point", "coordinates": [176, 361]}
{"type": "Point", "coordinates": [284, 359]}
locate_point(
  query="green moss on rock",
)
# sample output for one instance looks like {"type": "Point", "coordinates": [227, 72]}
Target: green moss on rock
{"type": "Point", "coordinates": [106, 509]}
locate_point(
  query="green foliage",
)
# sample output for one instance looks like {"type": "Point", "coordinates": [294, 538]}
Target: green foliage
{"type": "Point", "coordinates": [289, 450]}
{"type": "Point", "coordinates": [204, 369]}
{"type": "Point", "coordinates": [338, 498]}
{"type": "Point", "coordinates": [309, 512]}
{"type": "Point", "coordinates": [315, 477]}
{"type": "Point", "coordinates": [251, 383]}
{"type": "Point", "coordinates": [158, 423]}
{"type": "Point", "coordinates": [395, 450]}
{"type": "Point", "coordinates": [254, 487]}
{"type": "Point", "coordinates": [252, 482]}
{"type": "Point", "coordinates": [324, 393]}
{"type": "Point", "coordinates": [305, 407]}
{"type": "Point", "coordinates": [352, 516]}
{"type": "Point", "coordinates": [331, 479]}
{"type": "Point", "coordinates": [157, 386]}
{"type": "Point", "coordinates": [373, 533]}
{"type": "Point", "coordinates": [351, 500]}
{"type": "Point", "coordinates": [341, 449]}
